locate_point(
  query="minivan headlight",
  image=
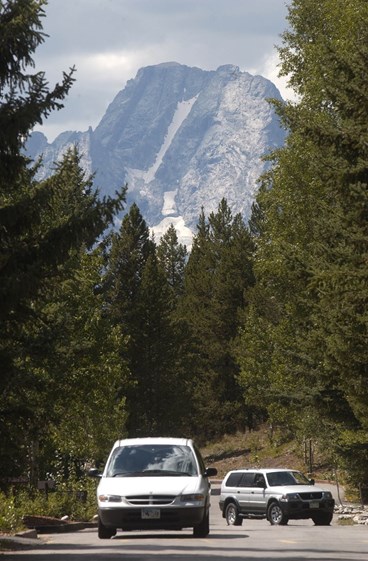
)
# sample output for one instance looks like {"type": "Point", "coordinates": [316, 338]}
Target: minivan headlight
{"type": "Point", "coordinates": [109, 498]}
{"type": "Point", "coordinates": [327, 495]}
{"type": "Point", "coordinates": [194, 498]}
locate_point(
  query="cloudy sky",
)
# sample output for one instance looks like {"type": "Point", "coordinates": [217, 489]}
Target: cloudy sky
{"type": "Point", "coordinates": [109, 40]}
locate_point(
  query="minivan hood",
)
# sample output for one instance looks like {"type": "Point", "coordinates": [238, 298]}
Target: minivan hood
{"type": "Point", "coordinates": [126, 486]}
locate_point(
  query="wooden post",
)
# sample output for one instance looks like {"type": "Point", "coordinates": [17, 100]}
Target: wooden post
{"type": "Point", "coordinates": [361, 494]}
{"type": "Point", "coordinates": [310, 456]}
{"type": "Point", "coordinates": [33, 468]}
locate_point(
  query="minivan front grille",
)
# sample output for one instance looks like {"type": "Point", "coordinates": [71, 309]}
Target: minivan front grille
{"type": "Point", "coordinates": [147, 500]}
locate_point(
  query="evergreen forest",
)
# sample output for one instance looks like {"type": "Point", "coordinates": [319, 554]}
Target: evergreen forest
{"type": "Point", "coordinates": [106, 332]}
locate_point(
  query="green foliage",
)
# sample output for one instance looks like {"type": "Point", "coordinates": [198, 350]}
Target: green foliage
{"type": "Point", "coordinates": [103, 336]}
{"type": "Point", "coordinates": [126, 256]}
{"type": "Point", "coordinates": [84, 358]}
{"type": "Point", "coordinates": [26, 98]}
{"type": "Point", "coordinates": [61, 349]}
{"type": "Point", "coordinates": [72, 494]}
{"type": "Point", "coordinates": [10, 518]}
{"type": "Point", "coordinates": [172, 257]}
{"type": "Point", "coordinates": [309, 307]}
{"type": "Point", "coordinates": [78, 502]}
{"type": "Point", "coordinates": [125, 260]}
{"type": "Point", "coordinates": [140, 293]}
{"type": "Point", "coordinates": [44, 226]}
{"type": "Point", "coordinates": [217, 276]}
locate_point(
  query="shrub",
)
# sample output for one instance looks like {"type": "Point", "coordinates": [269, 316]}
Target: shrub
{"type": "Point", "coordinates": [74, 499]}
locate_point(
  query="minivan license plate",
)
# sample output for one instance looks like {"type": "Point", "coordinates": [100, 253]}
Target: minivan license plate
{"type": "Point", "coordinates": [150, 513]}
{"type": "Point", "coordinates": [314, 504]}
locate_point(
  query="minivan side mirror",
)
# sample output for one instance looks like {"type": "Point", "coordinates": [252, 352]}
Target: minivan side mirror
{"type": "Point", "coordinates": [311, 481]}
{"type": "Point", "coordinates": [210, 472]}
{"type": "Point", "coordinates": [93, 472]}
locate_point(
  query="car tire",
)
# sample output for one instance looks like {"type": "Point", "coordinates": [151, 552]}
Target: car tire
{"type": "Point", "coordinates": [322, 518]}
{"type": "Point", "coordinates": [275, 516]}
{"type": "Point", "coordinates": [105, 533]}
{"type": "Point", "coordinates": [232, 515]}
{"type": "Point", "coordinates": [203, 529]}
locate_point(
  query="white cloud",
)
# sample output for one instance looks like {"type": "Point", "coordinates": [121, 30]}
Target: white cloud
{"type": "Point", "coordinates": [109, 40]}
{"type": "Point", "coordinates": [270, 68]}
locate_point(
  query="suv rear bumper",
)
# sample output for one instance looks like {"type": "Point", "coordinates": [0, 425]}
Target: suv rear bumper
{"type": "Point", "coordinates": [170, 518]}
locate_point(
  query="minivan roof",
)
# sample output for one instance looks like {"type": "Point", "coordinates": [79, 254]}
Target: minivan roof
{"type": "Point", "coordinates": [153, 440]}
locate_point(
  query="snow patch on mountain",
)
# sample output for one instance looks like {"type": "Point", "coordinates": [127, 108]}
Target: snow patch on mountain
{"type": "Point", "coordinates": [181, 113]}
{"type": "Point", "coordinates": [169, 206]}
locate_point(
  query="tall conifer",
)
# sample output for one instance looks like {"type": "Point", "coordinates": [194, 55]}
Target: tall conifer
{"type": "Point", "coordinates": [312, 252]}
{"type": "Point", "coordinates": [217, 278]}
{"type": "Point", "coordinates": [41, 222]}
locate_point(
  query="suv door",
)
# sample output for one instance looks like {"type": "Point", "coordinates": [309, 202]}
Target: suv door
{"type": "Point", "coordinates": [257, 494]}
{"type": "Point", "coordinates": [245, 486]}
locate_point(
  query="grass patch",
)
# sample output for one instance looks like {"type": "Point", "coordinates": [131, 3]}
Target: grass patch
{"type": "Point", "coordinates": [261, 442]}
{"type": "Point", "coordinates": [259, 449]}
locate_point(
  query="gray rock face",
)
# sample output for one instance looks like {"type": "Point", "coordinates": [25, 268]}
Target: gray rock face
{"type": "Point", "coordinates": [182, 138]}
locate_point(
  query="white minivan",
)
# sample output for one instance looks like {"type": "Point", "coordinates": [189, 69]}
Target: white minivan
{"type": "Point", "coordinates": [154, 483]}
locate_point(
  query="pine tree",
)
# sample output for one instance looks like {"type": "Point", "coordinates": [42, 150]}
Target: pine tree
{"type": "Point", "coordinates": [41, 222]}
{"type": "Point", "coordinates": [71, 368]}
{"type": "Point", "coordinates": [172, 256]}
{"type": "Point", "coordinates": [32, 244]}
{"type": "Point", "coordinates": [26, 99]}
{"type": "Point", "coordinates": [126, 259]}
{"type": "Point", "coordinates": [311, 253]}
{"type": "Point", "coordinates": [161, 400]}
{"type": "Point", "coordinates": [127, 255]}
{"type": "Point", "coordinates": [140, 297]}
{"type": "Point", "coordinates": [30, 375]}
{"type": "Point", "coordinates": [217, 277]}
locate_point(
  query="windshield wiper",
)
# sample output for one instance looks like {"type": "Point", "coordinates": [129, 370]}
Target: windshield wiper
{"type": "Point", "coordinates": [128, 474]}
{"type": "Point", "coordinates": [164, 473]}
{"type": "Point", "coordinates": [154, 472]}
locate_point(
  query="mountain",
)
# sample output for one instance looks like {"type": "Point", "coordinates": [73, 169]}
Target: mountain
{"type": "Point", "coordinates": [182, 138]}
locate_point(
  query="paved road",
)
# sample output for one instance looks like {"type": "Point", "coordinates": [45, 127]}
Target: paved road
{"type": "Point", "coordinates": [254, 540]}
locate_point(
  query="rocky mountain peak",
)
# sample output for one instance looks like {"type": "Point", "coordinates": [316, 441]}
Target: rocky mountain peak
{"type": "Point", "coordinates": [182, 138]}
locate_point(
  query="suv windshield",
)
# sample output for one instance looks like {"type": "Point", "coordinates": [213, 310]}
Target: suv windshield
{"type": "Point", "coordinates": [152, 460]}
{"type": "Point", "coordinates": [286, 478]}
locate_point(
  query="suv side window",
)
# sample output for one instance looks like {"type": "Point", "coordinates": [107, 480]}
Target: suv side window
{"type": "Point", "coordinates": [233, 480]}
{"type": "Point", "coordinates": [247, 480]}
{"type": "Point", "coordinates": [259, 480]}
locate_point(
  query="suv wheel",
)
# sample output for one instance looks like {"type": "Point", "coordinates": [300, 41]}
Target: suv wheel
{"type": "Point", "coordinates": [105, 533]}
{"type": "Point", "coordinates": [322, 518]}
{"type": "Point", "coordinates": [275, 515]}
{"type": "Point", "coordinates": [232, 515]}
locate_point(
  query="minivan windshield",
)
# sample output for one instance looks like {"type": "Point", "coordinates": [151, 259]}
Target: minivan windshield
{"type": "Point", "coordinates": [277, 478]}
{"type": "Point", "coordinates": [152, 460]}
